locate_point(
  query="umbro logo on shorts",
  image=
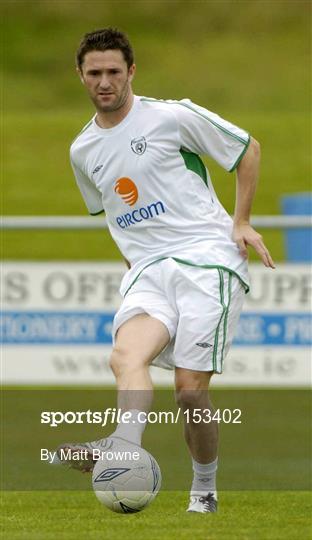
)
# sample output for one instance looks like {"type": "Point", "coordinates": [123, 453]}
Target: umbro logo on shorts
{"type": "Point", "coordinates": [204, 345]}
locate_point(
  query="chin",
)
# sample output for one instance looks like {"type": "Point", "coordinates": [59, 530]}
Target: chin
{"type": "Point", "coordinates": [108, 108]}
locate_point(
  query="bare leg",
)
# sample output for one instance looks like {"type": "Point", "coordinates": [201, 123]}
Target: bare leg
{"type": "Point", "coordinates": [201, 437]}
{"type": "Point", "coordinates": [138, 342]}
{"type": "Point", "coordinates": [192, 393]}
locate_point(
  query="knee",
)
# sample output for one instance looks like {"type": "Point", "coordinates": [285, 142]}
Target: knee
{"type": "Point", "coordinates": [192, 391]}
{"type": "Point", "coordinates": [118, 360]}
{"type": "Point", "coordinates": [186, 398]}
{"type": "Point", "coordinates": [122, 360]}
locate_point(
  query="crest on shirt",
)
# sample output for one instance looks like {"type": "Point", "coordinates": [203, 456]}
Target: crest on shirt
{"type": "Point", "coordinates": [138, 145]}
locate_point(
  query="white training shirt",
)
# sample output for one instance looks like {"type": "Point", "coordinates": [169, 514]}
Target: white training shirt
{"type": "Point", "coordinates": [145, 173]}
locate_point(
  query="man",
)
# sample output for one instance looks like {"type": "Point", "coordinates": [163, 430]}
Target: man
{"type": "Point", "coordinates": [137, 160]}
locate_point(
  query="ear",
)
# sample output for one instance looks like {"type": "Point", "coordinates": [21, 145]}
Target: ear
{"type": "Point", "coordinates": [80, 75]}
{"type": "Point", "coordinates": [131, 72]}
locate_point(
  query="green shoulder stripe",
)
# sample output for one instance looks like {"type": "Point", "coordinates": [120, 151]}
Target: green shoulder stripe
{"type": "Point", "coordinates": [240, 139]}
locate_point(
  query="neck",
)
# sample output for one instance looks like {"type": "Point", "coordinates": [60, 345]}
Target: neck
{"type": "Point", "coordinates": [111, 119]}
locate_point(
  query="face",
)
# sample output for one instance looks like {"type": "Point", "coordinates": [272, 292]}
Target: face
{"type": "Point", "coordinates": [107, 79]}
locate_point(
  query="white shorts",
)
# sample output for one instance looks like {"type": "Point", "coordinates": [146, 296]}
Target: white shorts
{"type": "Point", "coordinates": [200, 308]}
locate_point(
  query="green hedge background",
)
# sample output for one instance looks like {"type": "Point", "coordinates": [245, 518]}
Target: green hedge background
{"type": "Point", "coordinates": [249, 61]}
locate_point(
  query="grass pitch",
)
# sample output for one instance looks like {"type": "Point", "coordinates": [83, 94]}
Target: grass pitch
{"type": "Point", "coordinates": [71, 515]}
{"type": "Point", "coordinates": [263, 474]}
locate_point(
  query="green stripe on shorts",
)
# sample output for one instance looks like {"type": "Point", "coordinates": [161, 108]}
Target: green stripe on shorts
{"type": "Point", "coordinates": [216, 340]}
{"type": "Point", "coordinates": [226, 317]}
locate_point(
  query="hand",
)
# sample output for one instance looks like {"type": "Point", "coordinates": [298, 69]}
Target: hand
{"type": "Point", "coordinates": [244, 235]}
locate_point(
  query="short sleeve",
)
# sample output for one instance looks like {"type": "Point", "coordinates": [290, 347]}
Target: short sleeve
{"type": "Point", "coordinates": [91, 195]}
{"type": "Point", "coordinates": [204, 132]}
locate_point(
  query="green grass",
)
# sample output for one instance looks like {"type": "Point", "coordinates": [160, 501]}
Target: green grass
{"type": "Point", "coordinates": [242, 516]}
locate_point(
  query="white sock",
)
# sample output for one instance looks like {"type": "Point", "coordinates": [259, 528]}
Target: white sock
{"type": "Point", "coordinates": [132, 428]}
{"type": "Point", "coordinates": [204, 480]}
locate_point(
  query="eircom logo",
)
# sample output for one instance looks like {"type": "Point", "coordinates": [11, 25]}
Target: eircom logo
{"type": "Point", "coordinates": [139, 215]}
{"type": "Point", "coordinates": [126, 188]}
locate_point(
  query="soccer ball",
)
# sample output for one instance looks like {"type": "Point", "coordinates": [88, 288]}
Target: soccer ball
{"type": "Point", "coordinates": [126, 478]}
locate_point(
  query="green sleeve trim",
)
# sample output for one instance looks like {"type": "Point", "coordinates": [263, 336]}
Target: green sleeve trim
{"type": "Point", "coordinates": [97, 213]}
{"type": "Point", "coordinates": [189, 263]}
{"type": "Point", "coordinates": [213, 122]}
{"type": "Point", "coordinates": [240, 157]}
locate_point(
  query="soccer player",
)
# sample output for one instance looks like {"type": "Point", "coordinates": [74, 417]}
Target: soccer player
{"type": "Point", "coordinates": [138, 161]}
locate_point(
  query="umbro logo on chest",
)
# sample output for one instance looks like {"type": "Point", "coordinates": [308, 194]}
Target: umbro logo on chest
{"type": "Point", "coordinates": [97, 169]}
{"type": "Point", "coordinates": [138, 145]}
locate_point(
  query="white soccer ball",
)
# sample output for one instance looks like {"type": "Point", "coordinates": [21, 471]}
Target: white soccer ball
{"type": "Point", "coordinates": [126, 478]}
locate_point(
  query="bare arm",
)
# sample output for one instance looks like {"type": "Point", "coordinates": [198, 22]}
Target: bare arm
{"type": "Point", "coordinates": [246, 183]}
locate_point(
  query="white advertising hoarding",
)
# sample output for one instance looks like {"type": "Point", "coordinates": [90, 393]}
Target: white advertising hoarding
{"type": "Point", "coordinates": [57, 318]}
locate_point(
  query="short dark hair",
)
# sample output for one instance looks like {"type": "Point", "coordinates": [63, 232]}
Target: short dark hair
{"type": "Point", "coordinates": [102, 40]}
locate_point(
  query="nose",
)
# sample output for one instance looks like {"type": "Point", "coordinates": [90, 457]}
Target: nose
{"type": "Point", "coordinates": [104, 82]}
